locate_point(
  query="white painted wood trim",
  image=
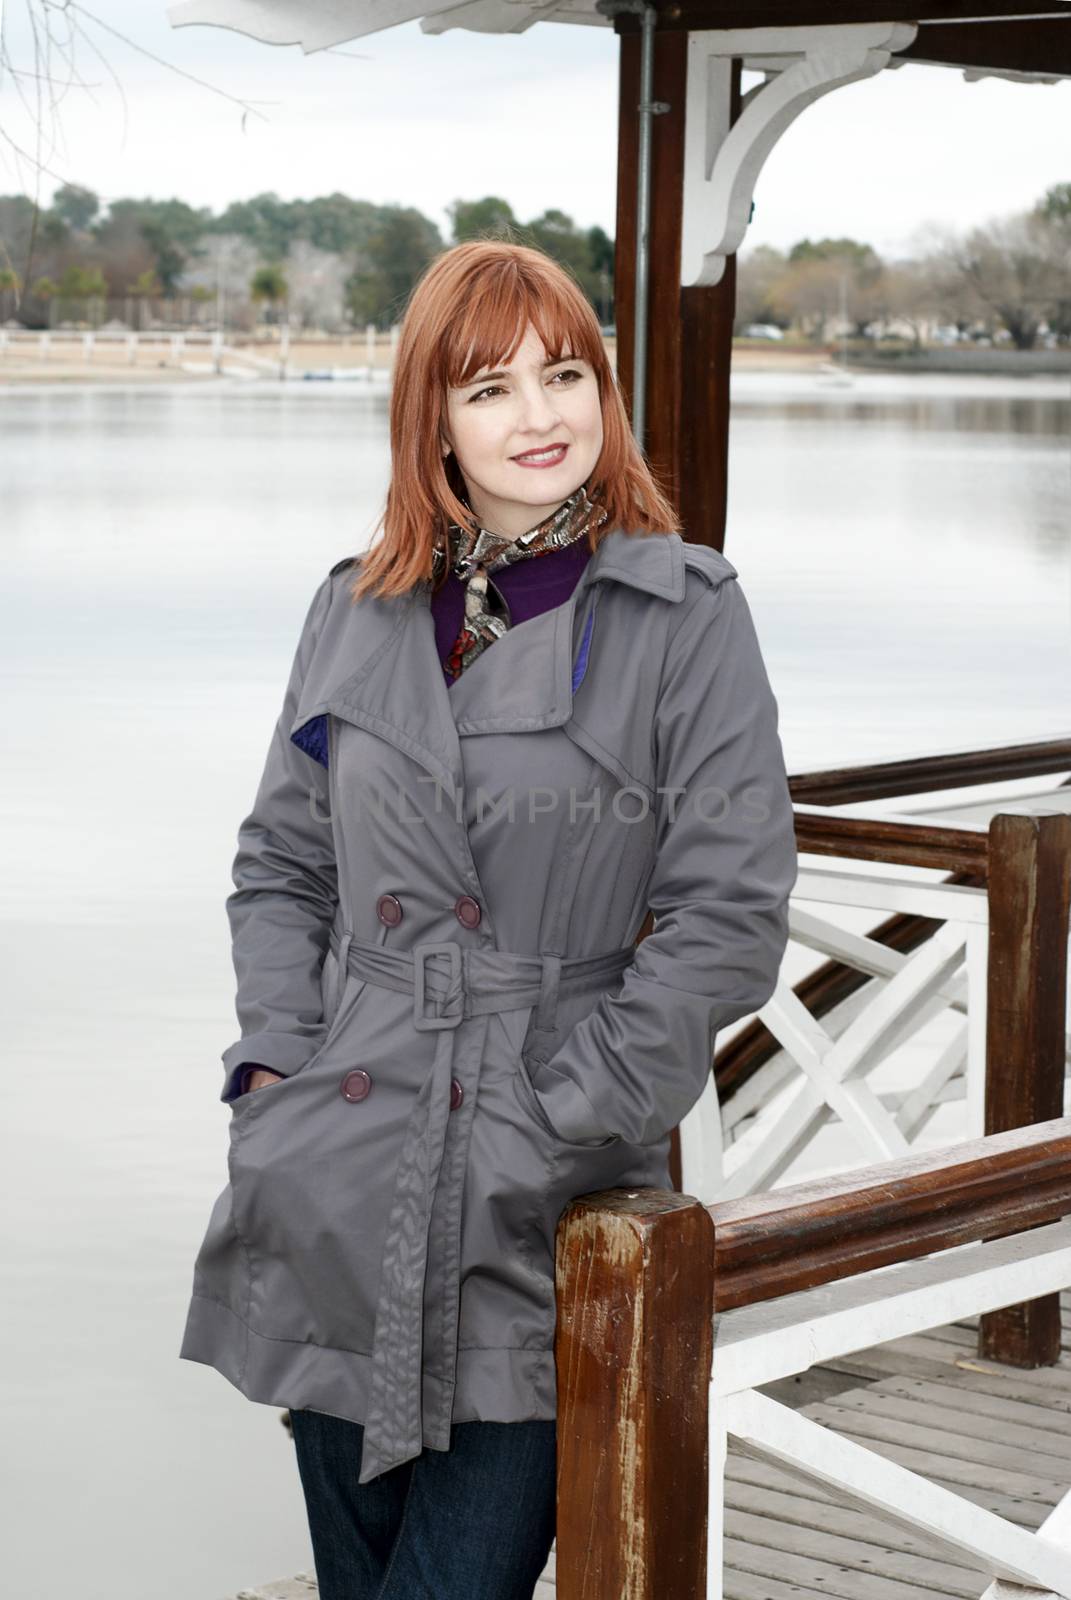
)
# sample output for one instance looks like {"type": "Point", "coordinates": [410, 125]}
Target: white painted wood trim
{"type": "Point", "coordinates": [833, 1067]}
{"type": "Point", "coordinates": [702, 1171]}
{"type": "Point", "coordinates": [1056, 1529]}
{"type": "Point", "coordinates": [761, 1154]}
{"type": "Point", "coordinates": [722, 162]}
{"type": "Point", "coordinates": [861, 1477]}
{"type": "Point", "coordinates": [949, 902]}
{"type": "Point", "coordinates": [717, 1454]}
{"type": "Point", "coordinates": [854, 949]}
{"type": "Point", "coordinates": [977, 1013]}
{"type": "Point", "coordinates": [827, 1063]}
{"type": "Point", "coordinates": [757, 1344]}
{"type": "Point", "coordinates": [925, 976]}
{"type": "Point", "coordinates": [917, 1106]}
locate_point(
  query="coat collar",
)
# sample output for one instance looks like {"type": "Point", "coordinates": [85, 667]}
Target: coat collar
{"type": "Point", "coordinates": [651, 562]}
{"type": "Point", "coordinates": [521, 684]}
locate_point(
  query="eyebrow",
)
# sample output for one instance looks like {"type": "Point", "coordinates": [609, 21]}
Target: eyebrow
{"type": "Point", "coordinates": [488, 377]}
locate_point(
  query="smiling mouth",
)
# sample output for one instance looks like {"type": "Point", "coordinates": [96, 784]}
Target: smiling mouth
{"type": "Point", "coordinates": [547, 457]}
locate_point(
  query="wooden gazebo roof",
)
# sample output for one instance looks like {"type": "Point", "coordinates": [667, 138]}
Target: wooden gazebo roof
{"type": "Point", "coordinates": [1029, 37]}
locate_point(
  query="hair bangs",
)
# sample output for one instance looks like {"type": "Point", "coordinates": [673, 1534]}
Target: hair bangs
{"type": "Point", "coordinates": [497, 314]}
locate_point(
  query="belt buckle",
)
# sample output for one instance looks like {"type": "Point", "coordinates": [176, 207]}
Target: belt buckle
{"type": "Point", "coordinates": [420, 954]}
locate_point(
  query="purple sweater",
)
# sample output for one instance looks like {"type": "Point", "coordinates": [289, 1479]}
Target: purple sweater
{"type": "Point", "coordinates": [530, 588]}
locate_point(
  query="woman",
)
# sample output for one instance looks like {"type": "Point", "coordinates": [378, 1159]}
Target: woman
{"type": "Point", "coordinates": [531, 712]}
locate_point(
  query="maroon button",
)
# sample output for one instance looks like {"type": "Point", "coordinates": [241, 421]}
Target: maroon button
{"type": "Point", "coordinates": [389, 910]}
{"type": "Point", "coordinates": [457, 1094]}
{"type": "Point", "coordinates": [467, 910]}
{"type": "Point", "coordinates": [356, 1085]}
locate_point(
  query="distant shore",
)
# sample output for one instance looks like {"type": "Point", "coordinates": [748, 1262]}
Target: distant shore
{"type": "Point", "coordinates": [66, 361]}
{"type": "Point", "coordinates": [307, 361]}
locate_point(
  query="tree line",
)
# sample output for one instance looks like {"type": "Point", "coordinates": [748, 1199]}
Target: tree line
{"type": "Point", "coordinates": [1009, 278]}
{"type": "Point", "coordinates": [326, 263]}
{"type": "Point", "coordinates": [332, 262]}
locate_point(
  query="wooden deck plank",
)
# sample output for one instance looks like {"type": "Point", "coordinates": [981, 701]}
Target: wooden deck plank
{"type": "Point", "coordinates": [797, 1511]}
{"type": "Point", "coordinates": [825, 1576]}
{"type": "Point", "coordinates": [919, 1356]}
{"type": "Point", "coordinates": [745, 1586]}
{"type": "Point", "coordinates": [848, 1558]}
{"type": "Point", "coordinates": [960, 1474]}
{"type": "Point", "coordinates": [1024, 1513]}
{"type": "Point", "coordinates": [953, 1394]}
{"type": "Point", "coordinates": [1022, 1467]}
{"type": "Point", "coordinates": [930, 1410]}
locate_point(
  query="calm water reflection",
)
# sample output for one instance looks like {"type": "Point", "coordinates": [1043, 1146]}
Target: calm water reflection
{"type": "Point", "coordinates": [905, 547]}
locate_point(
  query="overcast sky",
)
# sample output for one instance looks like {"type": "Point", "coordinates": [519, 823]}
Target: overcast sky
{"type": "Point", "coordinates": [419, 119]}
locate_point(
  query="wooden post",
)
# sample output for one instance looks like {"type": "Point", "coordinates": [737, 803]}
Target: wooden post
{"type": "Point", "coordinates": [633, 1348]}
{"type": "Point", "coordinates": [690, 330]}
{"type": "Point", "coordinates": [1029, 893]}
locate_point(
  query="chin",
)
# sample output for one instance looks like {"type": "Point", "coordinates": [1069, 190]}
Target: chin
{"type": "Point", "coordinates": [545, 484]}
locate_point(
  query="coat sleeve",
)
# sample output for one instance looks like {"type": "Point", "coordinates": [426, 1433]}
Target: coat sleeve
{"type": "Point", "coordinates": [724, 865]}
{"type": "Point", "coordinates": [285, 894]}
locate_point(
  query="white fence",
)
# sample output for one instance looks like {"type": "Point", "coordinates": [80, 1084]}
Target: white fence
{"type": "Point", "coordinates": [202, 351]}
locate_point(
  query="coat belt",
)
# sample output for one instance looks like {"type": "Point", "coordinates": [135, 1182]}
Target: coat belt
{"type": "Point", "coordinates": [449, 985]}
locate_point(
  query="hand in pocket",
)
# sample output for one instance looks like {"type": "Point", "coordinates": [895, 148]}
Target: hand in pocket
{"type": "Point", "coordinates": [259, 1078]}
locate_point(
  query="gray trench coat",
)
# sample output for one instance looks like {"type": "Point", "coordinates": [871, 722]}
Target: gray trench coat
{"type": "Point", "coordinates": [434, 941]}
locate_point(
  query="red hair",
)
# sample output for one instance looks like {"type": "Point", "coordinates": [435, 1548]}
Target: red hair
{"type": "Point", "coordinates": [469, 312]}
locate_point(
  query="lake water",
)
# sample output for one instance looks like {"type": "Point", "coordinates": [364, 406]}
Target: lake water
{"type": "Point", "coordinates": [906, 549]}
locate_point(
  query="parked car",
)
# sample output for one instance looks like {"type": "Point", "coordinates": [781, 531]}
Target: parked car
{"type": "Point", "coordinates": [763, 330]}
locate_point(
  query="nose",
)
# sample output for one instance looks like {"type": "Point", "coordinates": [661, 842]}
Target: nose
{"type": "Point", "coordinates": [539, 412]}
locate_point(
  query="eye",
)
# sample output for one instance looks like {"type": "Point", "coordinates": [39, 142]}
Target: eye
{"type": "Point", "coordinates": [492, 388]}
{"type": "Point", "coordinates": [570, 372]}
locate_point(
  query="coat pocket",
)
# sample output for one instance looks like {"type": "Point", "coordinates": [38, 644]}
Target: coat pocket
{"type": "Point", "coordinates": [312, 1175]}
{"type": "Point", "coordinates": [528, 1066]}
{"type": "Point", "coordinates": [336, 1015]}
{"type": "Point", "coordinates": [538, 1049]}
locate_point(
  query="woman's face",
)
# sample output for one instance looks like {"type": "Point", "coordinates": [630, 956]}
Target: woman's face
{"type": "Point", "coordinates": [525, 435]}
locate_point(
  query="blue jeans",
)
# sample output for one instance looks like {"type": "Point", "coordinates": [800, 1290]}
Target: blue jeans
{"type": "Point", "coordinates": [476, 1520]}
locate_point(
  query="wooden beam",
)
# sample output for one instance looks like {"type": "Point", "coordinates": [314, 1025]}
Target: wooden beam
{"type": "Point", "coordinates": [958, 769]}
{"type": "Point", "coordinates": [634, 1281]}
{"type": "Point", "coordinates": [1029, 899]}
{"type": "Point", "coordinates": [689, 15]}
{"type": "Point", "coordinates": [663, 311]}
{"type": "Point", "coordinates": [1029, 44]}
{"type": "Point", "coordinates": [690, 330]}
{"type": "Point", "coordinates": [827, 1229]}
{"type": "Point", "coordinates": [900, 840]}
{"type": "Point", "coordinates": [706, 321]}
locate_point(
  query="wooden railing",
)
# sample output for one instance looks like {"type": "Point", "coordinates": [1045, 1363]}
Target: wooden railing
{"type": "Point", "coordinates": [671, 1314]}
{"type": "Point", "coordinates": [1023, 862]}
{"type": "Point", "coordinates": [956, 769]}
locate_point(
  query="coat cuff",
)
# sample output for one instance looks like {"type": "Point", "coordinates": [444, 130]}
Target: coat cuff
{"type": "Point", "coordinates": [285, 1053]}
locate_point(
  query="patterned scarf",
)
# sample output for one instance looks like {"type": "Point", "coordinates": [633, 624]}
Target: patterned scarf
{"type": "Point", "coordinates": [474, 553]}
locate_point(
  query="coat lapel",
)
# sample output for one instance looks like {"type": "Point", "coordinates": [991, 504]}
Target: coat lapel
{"type": "Point", "coordinates": [391, 691]}
{"type": "Point", "coordinates": [522, 683]}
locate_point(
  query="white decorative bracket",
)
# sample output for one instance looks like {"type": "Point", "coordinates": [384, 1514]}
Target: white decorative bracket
{"type": "Point", "coordinates": [722, 161]}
